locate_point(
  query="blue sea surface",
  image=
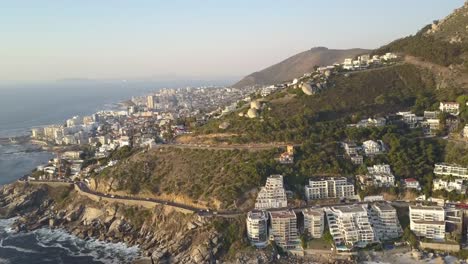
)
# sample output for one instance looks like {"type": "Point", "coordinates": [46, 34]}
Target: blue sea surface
{"type": "Point", "coordinates": [33, 105]}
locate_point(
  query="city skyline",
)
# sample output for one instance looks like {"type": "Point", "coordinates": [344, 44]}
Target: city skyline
{"type": "Point", "coordinates": [51, 40]}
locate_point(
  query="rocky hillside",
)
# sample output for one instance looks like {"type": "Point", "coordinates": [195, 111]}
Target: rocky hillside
{"type": "Point", "coordinates": [297, 65]}
{"type": "Point", "coordinates": [166, 236]}
{"type": "Point", "coordinates": [444, 42]}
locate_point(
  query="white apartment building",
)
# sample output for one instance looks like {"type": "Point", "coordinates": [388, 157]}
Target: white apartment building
{"type": "Point", "coordinates": [450, 107]}
{"type": "Point", "coordinates": [372, 147]}
{"type": "Point", "coordinates": [410, 119]}
{"type": "Point", "coordinates": [412, 183]}
{"type": "Point", "coordinates": [465, 131]}
{"type": "Point", "coordinates": [357, 159]}
{"type": "Point", "coordinates": [430, 126]}
{"type": "Point", "coordinates": [384, 220]}
{"type": "Point", "coordinates": [257, 228]}
{"type": "Point", "coordinates": [283, 229]}
{"type": "Point", "coordinates": [427, 221]}
{"type": "Point", "coordinates": [450, 169]}
{"type": "Point", "coordinates": [325, 188]}
{"type": "Point", "coordinates": [272, 195]}
{"type": "Point", "coordinates": [348, 64]}
{"type": "Point", "coordinates": [351, 148]}
{"type": "Point", "coordinates": [314, 219]}
{"type": "Point", "coordinates": [455, 185]}
{"type": "Point", "coordinates": [381, 175]}
{"type": "Point", "coordinates": [372, 122]}
{"type": "Point", "coordinates": [350, 226]}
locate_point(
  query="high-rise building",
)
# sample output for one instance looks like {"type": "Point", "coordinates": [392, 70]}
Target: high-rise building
{"type": "Point", "coordinates": [328, 188]}
{"type": "Point", "coordinates": [284, 229]}
{"type": "Point", "coordinates": [257, 228]}
{"type": "Point", "coordinates": [272, 195]}
{"type": "Point", "coordinates": [350, 226]}
{"type": "Point", "coordinates": [427, 221]}
{"type": "Point", "coordinates": [384, 220]}
{"type": "Point", "coordinates": [150, 101]}
{"type": "Point", "coordinates": [314, 221]}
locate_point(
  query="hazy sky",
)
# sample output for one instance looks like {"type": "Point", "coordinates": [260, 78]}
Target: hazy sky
{"type": "Point", "coordinates": [98, 39]}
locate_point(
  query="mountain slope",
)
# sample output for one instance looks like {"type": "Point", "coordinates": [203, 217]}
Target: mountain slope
{"type": "Point", "coordinates": [445, 42]}
{"type": "Point", "coordinates": [297, 65]}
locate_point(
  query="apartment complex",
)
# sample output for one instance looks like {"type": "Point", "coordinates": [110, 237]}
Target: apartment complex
{"type": "Point", "coordinates": [455, 185]}
{"type": "Point", "coordinates": [350, 226]}
{"type": "Point", "coordinates": [449, 107]}
{"type": "Point", "coordinates": [427, 221]}
{"type": "Point", "coordinates": [384, 220]}
{"type": "Point", "coordinates": [272, 195]}
{"type": "Point", "coordinates": [283, 229]}
{"type": "Point", "coordinates": [257, 228]}
{"type": "Point", "coordinates": [450, 169]}
{"type": "Point", "coordinates": [372, 147]}
{"type": "Point", "coordinates": [314, 219]}
{"type": "Point", "coordinates": [329, 188]}
{"type": "Point", "coordinates": [380, 176]}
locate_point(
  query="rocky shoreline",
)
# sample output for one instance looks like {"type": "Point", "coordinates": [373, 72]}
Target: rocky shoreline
{"type": "Point", "coordinates": [166, 237]}
{"type": "Point", "coordinates": [163, 236]}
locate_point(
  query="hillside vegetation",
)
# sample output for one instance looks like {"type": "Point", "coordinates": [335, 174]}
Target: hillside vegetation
{"type": "Point", "coordinates": [445, 42]}
{"type": "Point", "coordinates": [292, 116]}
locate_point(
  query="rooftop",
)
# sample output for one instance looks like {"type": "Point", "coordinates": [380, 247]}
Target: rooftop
{"type": "Point", "coordinates": [313, 211]}
{"type": "Point", "coordinates": [355, 208]}
{"type": "Point", "coordinates": [257, 215]}
{"type": "Point", "coordinates": [426, 207]}
{"type": "Point", "coordinates": [384, 206]}
{"type": "Point", "coordinates": [283, 214]}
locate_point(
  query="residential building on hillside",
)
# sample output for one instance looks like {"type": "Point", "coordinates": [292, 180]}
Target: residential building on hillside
{"type": "Point", "coordinates": [372, 147]}
{"type": "Point", "coordinates": [287, 157]}
{"type": "Point", "coordinates": [427, 221]}
{"type": "Point", "coordinates": [431, 114]}
{"type": "Point", "coordinates": [450, 169]}
{"type": "Point", "coordinates": [465, 131]}
{"type": "Point", "coordinates": [325, 188]}
{"type": "Point", "coordinates": [410, 119]}
{"type": "Point", "coordinates": [272, 195]}
{"type": "Point", "coordinates": [454, 220]}
{"type": "Point", "coordinates": [314, 221]}
{"type": "Point", "coordinates": [357, 159]}
{"type": "Point", "coordinates": [455, 185]}
{"type": "Point", "coordinates": [350, 226]}
{"type": "Point", "coordinates": [430, 127]}
{"type": "Point", "coordinates": [257, 228]}
{"type": "Point", "coordinates": [283, 229]}
{"type": "Point", "coordinates": [372, 122]}
{"type": "Point", "coordinates": [384, 220]}
{"type": "Point", "coordinates": [351, 148]}
{"type": "Point", "coordinates": [412, 183]}
{"type": "Point", "coordinates": [450, 107]}
{"type": "Point", "coordinates": [381, 175]}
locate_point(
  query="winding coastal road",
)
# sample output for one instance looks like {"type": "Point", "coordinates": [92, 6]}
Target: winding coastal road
{"type": "Point", "coordinates": [204, 213]}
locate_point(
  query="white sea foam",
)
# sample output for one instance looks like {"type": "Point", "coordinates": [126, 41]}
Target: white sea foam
{"type": "Point", "coordinates": [24, 250]}
{"type": "Point", "coordinates": [100, 251]}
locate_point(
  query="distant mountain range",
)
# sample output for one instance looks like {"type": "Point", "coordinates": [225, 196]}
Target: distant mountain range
{"type": "Point", "coordinates": [297, 65]}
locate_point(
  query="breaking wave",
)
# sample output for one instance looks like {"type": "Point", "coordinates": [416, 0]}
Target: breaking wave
{"type": "Point", "coordinates": [58, 246]}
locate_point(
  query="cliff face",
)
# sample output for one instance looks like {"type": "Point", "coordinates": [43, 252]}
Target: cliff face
{"type": "Point", "coordinates": [167, 236]}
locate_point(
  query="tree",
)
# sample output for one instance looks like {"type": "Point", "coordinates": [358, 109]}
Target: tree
{"type": "Point", "coordinates": [409, 236]}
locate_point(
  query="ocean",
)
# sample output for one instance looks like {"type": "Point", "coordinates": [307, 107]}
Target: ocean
{"type": "Point", "coordinates": [23, 106]}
